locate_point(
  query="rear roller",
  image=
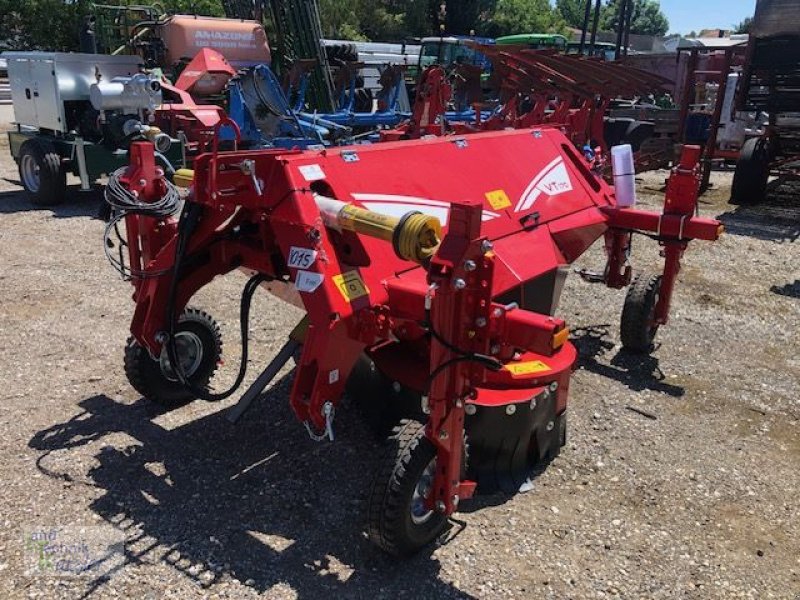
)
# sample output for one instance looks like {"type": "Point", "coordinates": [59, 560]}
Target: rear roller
{"type": "Point", "coordinates": [638, 326]}
{"type": "Point", "coordinates": [199, 345]}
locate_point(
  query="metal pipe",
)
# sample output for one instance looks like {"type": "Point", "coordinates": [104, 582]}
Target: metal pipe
{"type": "Point", "coordinates": [585, 30]}
{"type": "Point", "coordinates": [595, 26]}
{"type": "Point", "coordinates": [623, 9]}
{"type": "Point", "coordinates": [628, 18]}
{"type": "Point", "coordinates": [83, 173]}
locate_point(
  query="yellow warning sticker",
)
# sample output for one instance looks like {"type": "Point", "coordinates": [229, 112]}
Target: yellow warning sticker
{"type": "Point", "coordinates": [527, 368]}
{"type": "Point", "coordinates": [350, 285]}
{"type": "Point", "coordinates": [498, 199]}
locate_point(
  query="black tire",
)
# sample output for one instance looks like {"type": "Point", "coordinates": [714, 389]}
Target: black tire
{"type": "Point", "coordinates": [637, 327]}
{"type": "Point", "coordinates": [391, 525]}
{"type": "Point", "coordinates": [149, 379]}
{"type": "Point", "coordinates": [637, 133]}
{"type": "Point", "coordinates": [347, 52]}
{"type": "Point", "coordinates": [41, 173]}
{"type": "Point", "coordinates": [363, 101]}
{"type": "Point", "coordinates": [752, 173]}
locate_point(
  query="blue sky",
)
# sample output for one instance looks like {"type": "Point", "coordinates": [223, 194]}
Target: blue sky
{"type": "Point", "coordinates": [687, 15]}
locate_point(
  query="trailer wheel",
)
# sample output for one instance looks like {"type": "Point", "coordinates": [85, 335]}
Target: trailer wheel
{"type": "Point", "coordinates": [199, 344]}
{"type": "Point", "coordinates": [398, 521]}
{"type": "Point", "coordinates": [41, 173]}
{"type": "Point", "coordinates": [638, 328]}
{"type": "Point", "coordinates": [752, 173]}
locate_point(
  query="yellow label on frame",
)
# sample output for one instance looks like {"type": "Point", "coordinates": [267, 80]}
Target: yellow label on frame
{"type": "Point", "coordinates": [350, 285]}
{"type": "Point", "coordinates": [498, 199]}
{"type": "Point", "coordinates": [527, 368]}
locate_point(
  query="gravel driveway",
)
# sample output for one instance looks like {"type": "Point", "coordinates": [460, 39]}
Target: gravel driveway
{"type": "Point", "coordinates": [696, 498]}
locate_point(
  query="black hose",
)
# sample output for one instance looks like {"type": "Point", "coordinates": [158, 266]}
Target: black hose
{"type": "Point", "coordinates": [122, 203]}
{"type": "Point", "coordinates": [188, 221]}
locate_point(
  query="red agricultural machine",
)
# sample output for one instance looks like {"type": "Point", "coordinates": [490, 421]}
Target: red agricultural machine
{"type": "Point", "coordinates": [433, 287]}
{"type": "Point", "coordinates": [535, 88]}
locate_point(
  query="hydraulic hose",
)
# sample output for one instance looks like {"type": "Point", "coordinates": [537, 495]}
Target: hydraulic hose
{"type": "Point", "coordinates": [188, 222]}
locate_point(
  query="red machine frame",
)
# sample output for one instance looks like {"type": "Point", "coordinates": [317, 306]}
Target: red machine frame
{"type": "Point", "coordinates": [523, 205]}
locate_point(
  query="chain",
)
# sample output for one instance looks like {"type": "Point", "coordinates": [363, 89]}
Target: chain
{"type": "Point", "coordinates": [329, 412]}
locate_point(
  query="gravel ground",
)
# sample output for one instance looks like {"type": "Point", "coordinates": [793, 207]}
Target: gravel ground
{"type": "Point", "coordinates": [700, 501]}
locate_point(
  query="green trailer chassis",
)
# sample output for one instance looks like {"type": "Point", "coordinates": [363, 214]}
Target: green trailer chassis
{"type": "Point", "coordinates": [98, 160]}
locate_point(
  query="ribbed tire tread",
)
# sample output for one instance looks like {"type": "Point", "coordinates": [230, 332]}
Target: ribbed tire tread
{"type": "Point", "coordinates": [636, 329]}
{"type": "Point", "coordinates": [389, 525]}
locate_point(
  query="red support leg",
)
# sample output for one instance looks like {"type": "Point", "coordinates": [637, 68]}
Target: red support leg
{"type": "Point", "coordinates": [673, 252]}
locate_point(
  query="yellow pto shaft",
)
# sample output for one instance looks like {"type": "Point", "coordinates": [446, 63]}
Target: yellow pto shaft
{"type": "Point", "coordinates": [414, 236]}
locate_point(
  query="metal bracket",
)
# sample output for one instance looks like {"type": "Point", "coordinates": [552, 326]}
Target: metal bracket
{"type": "Point", "coordinates": [263, 380]}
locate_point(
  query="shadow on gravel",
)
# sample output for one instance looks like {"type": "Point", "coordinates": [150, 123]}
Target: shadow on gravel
{"type": "Point", "coordinates": [76, 204]}
{"type": "Point", "coordinates": [775, 220]}
{"type": "Point", "coordinates": [635, 371]}
{"type": "Point", "coordinates": [257, 501]}
{"type": "Point", "coordinates": [790, 290]}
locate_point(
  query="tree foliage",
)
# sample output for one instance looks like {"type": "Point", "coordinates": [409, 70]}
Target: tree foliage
{"type": "Point", "coordinates": [744, 26]}
{"type": "Point", "coordinates": [647, 18]}
{"type": "Point", "coordinates": [523, 16]}
{"type": "Point", "coordinates": [54, 24]}
{"type": "Point", "coordinates": [573, 11]}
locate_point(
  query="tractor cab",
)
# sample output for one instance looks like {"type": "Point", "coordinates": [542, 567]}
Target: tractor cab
{"type": "Point", "coordinates": [453, 50]}
{"type": "Point", "coordinates": [604, 50]}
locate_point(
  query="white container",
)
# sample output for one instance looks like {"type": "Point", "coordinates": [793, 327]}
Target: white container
{"type": "Point", "coordinates": [624, 175]}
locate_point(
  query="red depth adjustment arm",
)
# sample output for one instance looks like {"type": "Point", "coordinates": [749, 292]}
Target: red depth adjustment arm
{"type": "Point", "coordinates": [460, 276]}
{"type": "Point", "coordinates": [674, 228]}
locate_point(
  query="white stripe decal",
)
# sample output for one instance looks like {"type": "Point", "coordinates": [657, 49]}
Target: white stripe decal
{"type": "Point", "coordinates": [531, 193]}
{"type": "Point", "coordinates": [394, 198]}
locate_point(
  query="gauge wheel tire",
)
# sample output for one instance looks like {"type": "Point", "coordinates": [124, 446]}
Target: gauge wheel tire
{"type": "Point", "coordinates": [637, 327]}
{"type": "Point", "coordinates": [200, 342]}
{"type": "Point", "coordinates": [41, 173]}
{"type": "Point", "coordinates": [752, 173]}
{"type": "Point", "coordinates": [397, 520]}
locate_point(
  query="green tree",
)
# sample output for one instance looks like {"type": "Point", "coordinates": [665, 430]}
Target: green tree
{"type": "Point", "coordinates": [464, 16]}
{"type": "Point", "coordinates": [206, 8]}
{"type": "Point", "coordinates": [572, 11]}
{"type": "Point", "coordinates": [523, 16]}
{"type": "Point", "coordinates": [418, 18]}
{"type": "Point", "coordinates": [340, 20]}
{"type": "Point", "coordinates": [647, 18]}
{"type": "Point", "coordinates": [54, 24]}
{"type": "Point", "coordinates": [41, 24]}
{"type": "Point", "coordinates": [744, 26]}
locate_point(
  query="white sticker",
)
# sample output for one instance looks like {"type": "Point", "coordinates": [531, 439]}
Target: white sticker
{"type": "Point", "coordinates": [312, 172]}
{"type": "Point", "coordinates": [301, 258]}
{"type": "Point", "coordinates": [307, 281]}
{"type": "Point", "coordinates": [333, 376]}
